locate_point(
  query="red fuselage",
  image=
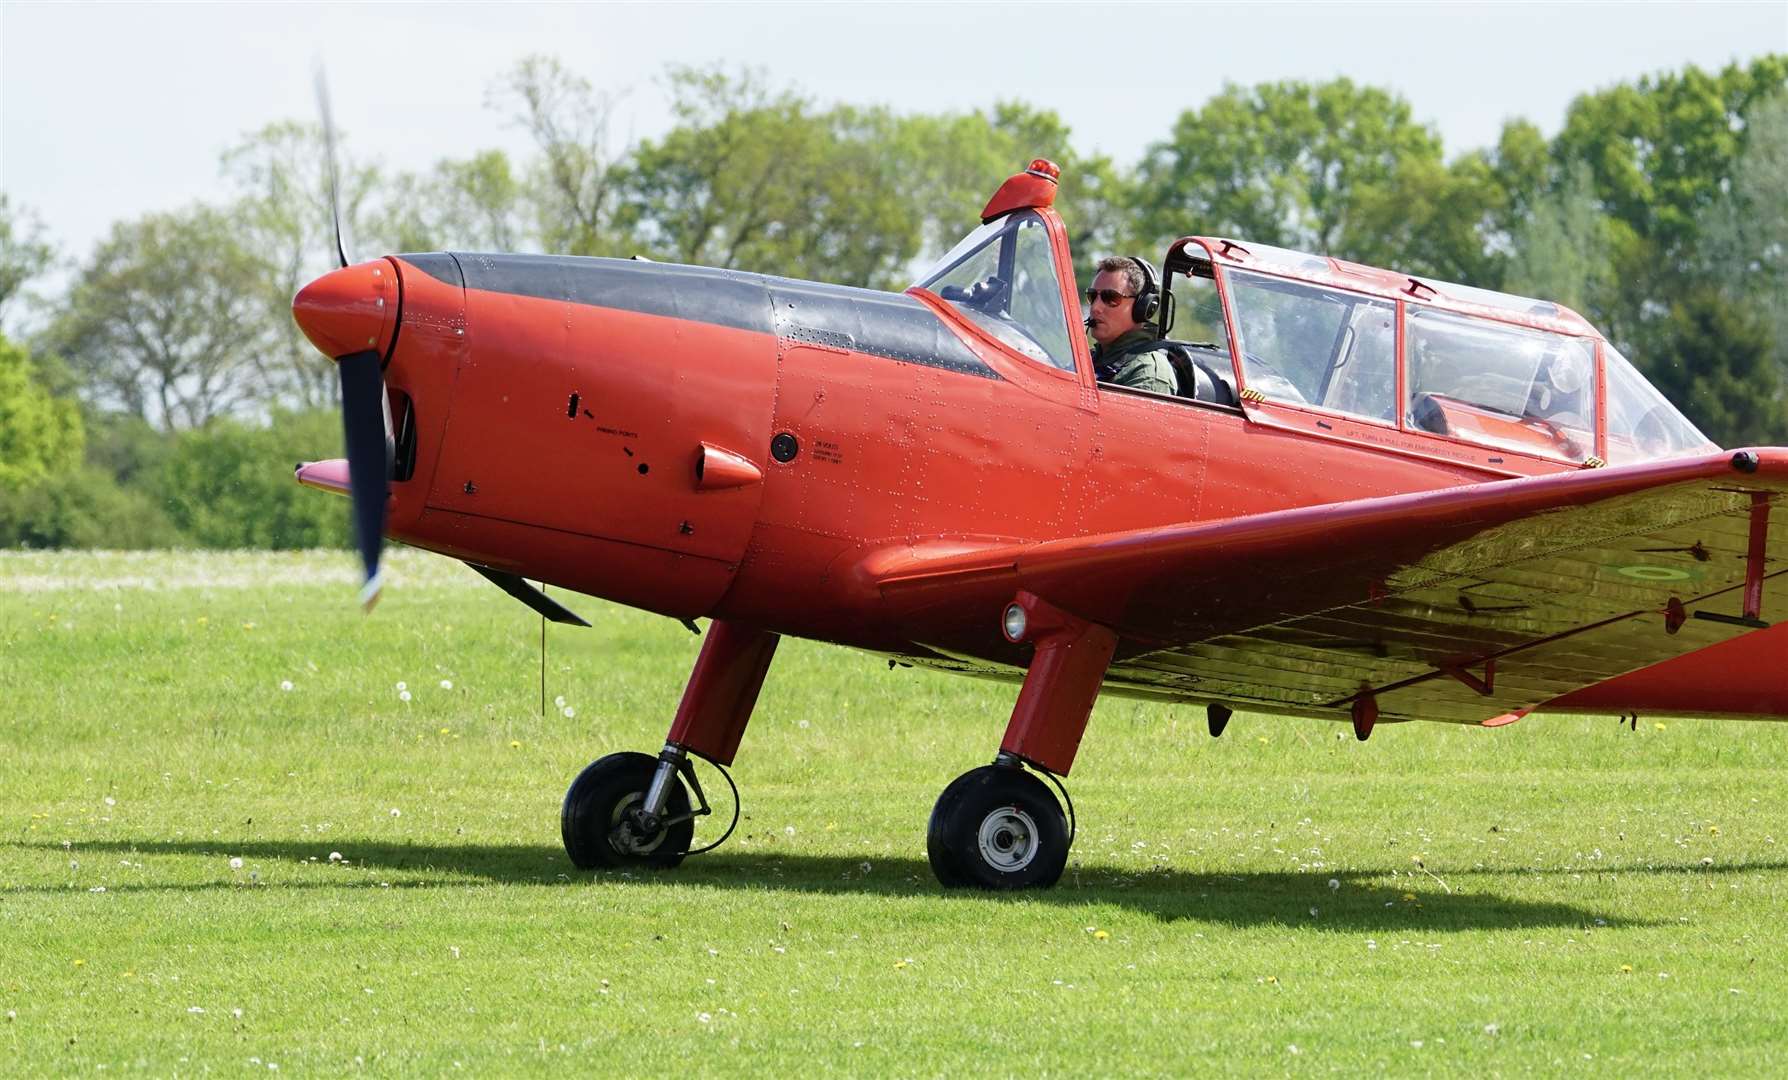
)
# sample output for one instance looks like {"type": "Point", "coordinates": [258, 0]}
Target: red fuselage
{"type": "Point", "coordinates": [561, 407]}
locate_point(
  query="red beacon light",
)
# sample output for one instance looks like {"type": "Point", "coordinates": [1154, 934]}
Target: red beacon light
{"type": "Point", "coordinates": [1031, 189]}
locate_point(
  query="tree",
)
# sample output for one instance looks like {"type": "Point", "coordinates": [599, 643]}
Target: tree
{"type": "Point", "coordinates": [477, 204]}
{"type": "Point", "coordinates": [1715, 361]}
{"type": "Point", "coordinates": [1331, 167]}
{"type": "Point", "coordinates": [956, 160]}
{"type": "Point", "coordinates": [1562, 249]}
{"type": "Point", "coordinates": [159, 323]}
{"type": "Point", "coordinates": [761, 180]}
{"type": "Point", "coordinates": [84, 508]}
{"type": "Point", "coordinates": [1744, 236]}
{"type": "Point", "coordinates": [229, 485]}
{"type": "Point", "coordinates": [24, 254]}
{"type": "Point", "coordinates": [1662, 149]}
{"type": "Point", "coordinates": [39, 435]}
{"type": "Point", "coordinates": [1662, 153]}
{"type": "Point", "coordinates": [1522, 165]}
{"type": "Point", "coordinates": [572, 184]}
{"type": "Point", "coordinates": [282, 221]}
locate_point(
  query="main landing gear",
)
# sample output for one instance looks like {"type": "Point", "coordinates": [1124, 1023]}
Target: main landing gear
{"type": "Point", "coordinates": [999, 827]}
{"type": "Point", "coordinates": [995, 827]}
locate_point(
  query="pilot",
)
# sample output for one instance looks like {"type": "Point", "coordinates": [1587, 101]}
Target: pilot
{"type": "Point", "coordinates": [1119, 306]}
{"type": "Point", "coordinates": [1558, 392]}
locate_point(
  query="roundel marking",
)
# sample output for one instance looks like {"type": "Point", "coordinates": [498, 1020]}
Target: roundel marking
{"type": "Point", "coordinates": [1653, 573]}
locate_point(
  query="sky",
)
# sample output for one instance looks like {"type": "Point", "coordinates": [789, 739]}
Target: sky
{"type": "Point", "coordinates": [108, 112]}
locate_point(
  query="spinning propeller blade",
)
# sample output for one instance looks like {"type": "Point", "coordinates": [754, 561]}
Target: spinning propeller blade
{"type": "Point", "coordinates": [329, 158]}
{"type": "Point", "coordinates": [365, 422]}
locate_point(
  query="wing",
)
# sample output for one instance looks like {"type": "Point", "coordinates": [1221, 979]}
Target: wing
{"type": "Point", "coordinates": [1465, 604]}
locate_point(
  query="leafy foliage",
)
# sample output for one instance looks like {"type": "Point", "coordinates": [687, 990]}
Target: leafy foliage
{"type": "Point", "coordinates": [39, 435]}
{"type": "Point", "coordinates": [1328, 167]}
{"type": "Point", "coordinates": [764, 181]}
{"type": "Point", "coordinates": [1715, 361]}
{"type": "Point", "coordinates": [84, 508]}
{"type": "Point", "coordinates": [24, 254]}
{"type": "Point", "coordinates": [158, 324]}
{"type": "Point", "coordinates": [229, 485]}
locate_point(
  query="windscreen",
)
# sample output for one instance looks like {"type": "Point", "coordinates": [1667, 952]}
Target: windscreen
{"type": "Point", "coordinates": [1642, 424]}
{"type": "Point", "coordinates": [1002, 278]}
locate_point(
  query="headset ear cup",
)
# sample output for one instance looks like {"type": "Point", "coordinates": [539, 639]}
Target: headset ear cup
{"type": "Point", "coordinates": [1148, 298]}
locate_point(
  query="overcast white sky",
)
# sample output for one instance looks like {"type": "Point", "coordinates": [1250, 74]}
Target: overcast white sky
{"type": "Point", "coordinates": [110, 111]}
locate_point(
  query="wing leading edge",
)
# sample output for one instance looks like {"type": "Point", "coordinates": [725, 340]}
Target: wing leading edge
{"type": "Point", "coordinates": [1465, 604]}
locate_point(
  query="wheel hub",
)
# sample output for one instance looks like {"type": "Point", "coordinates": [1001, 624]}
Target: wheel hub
{"type": "Point", "coordinates": [1008, 839]}
{"type": "Point", "coordinates": [625, 832]}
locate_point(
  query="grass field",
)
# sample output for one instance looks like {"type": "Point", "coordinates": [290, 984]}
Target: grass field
{"type": "Point", "coordinates": [1561, 896]}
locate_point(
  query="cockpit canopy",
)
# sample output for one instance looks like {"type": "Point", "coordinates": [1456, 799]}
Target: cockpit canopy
{"type": "Point", "coordinates": [1318, 334]}
{"type": "Point", "coordinates": [1511, 372]}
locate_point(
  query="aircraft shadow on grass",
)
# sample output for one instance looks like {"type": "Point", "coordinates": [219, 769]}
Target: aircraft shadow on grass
{"type": "Point", "coordinates": [1366, 899]}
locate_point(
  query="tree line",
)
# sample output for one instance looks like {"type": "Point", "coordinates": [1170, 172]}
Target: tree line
{"type": "Point", "coordinates": [161, 397]}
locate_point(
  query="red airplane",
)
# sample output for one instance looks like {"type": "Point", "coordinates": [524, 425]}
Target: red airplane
{"type": "Point", "coordinates": [1376, 498]}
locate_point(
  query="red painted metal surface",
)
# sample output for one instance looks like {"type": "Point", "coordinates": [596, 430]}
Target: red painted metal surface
{"type": "Point", "coordinates": [1505, 719]}
{"type": "Point", "coordinates": [1755, 553]}
{"type": "Point", "coordinates": [1365, 716]}
{"type": "Point", "coordinates": [717, 469]}
{"type": "Point", "coordinates": [1033, 188]}
{"type": "Point", "coordinates": [1514, 433]}
{"type": "Point", "coordinates": [616, 476]}
{"type": "Point", "coordinates": [350, 310]}
{"type": "Point", "coordinates": [723, 689]}
{"type": "Point", "coordinates": [1740, 679]}
{"type": "Point", "coordinates": [1060, 687]}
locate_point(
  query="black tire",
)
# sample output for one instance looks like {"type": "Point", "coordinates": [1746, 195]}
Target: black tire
{"type": "Point", "coordinates": [997, 827]}
{"type": "Point", "coordinates": [590, 821]}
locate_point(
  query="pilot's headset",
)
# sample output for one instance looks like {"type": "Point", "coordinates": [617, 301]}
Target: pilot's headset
{"type": "Point", "coordinates": [1148, 298]}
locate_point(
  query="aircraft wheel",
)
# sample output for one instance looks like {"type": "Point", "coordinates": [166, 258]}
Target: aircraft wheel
{"type": "Point", "coordinates": [598, 829]}
{"type": "Point", "coordinates": [997, 827]}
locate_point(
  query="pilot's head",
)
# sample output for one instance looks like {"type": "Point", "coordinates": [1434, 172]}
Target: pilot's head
{"type": "Point", "coordinates": [1568, 373]}
{"type": "Point", "coordinates": [1111, 302]}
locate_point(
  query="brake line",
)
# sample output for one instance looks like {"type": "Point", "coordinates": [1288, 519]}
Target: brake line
{"type": "Point", "coordinates": [703, 799]}
{"type": "Point", "coordinates": [1073, 826]}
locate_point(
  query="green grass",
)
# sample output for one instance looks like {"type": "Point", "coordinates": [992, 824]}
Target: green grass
{"type": "Point", "coordinates": [1589, 900]}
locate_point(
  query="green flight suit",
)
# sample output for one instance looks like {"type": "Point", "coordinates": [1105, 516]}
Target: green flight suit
{"type": "Point", "coordinates": [1128, 362]}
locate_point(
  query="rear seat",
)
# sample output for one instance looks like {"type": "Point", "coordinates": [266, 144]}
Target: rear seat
{"type": "Point", "coordinates": [1203, 371]}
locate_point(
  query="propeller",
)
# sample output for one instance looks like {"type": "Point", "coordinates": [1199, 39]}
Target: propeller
{"type": "Point", "coordinates": [349, 314]}
{"type": "Point", "coordinates": [366, 427]}
{"type": "Point", "coordinates": [329, 162]}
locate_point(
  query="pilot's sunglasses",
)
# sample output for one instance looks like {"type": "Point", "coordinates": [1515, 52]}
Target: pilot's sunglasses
{"type": "Point", "coordinates": [1110, 296]}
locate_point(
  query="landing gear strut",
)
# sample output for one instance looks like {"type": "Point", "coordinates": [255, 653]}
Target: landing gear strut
{"type": "Point", "coordinates": [999, 827]}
